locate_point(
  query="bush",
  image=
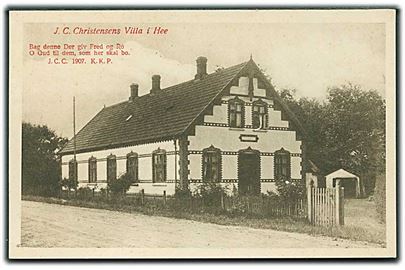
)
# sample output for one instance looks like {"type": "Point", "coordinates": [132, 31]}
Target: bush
{"type": "Point", "coordinates": [68, 184]}
{"type": "Point", "coordinates": [85, 193]}
{"type": "Point", "coordinates": [121, 185]}
{"type": "Point", "coordinates": [289, 190]}
{"type": "Point", "coordinates": [380, 196]}
{"type": "Point", "coordinates": [182, 193]}
{"type": "Point", "coordinates": [210, 193]}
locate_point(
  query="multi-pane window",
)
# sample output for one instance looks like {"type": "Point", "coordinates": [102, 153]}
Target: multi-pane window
{"type": "Point", "coordinates": [236, 113]}
{"type": "Point", "coordinates": [132, 166]}
{"type": "Point", "coordinates": [259, 115]}
{"type": "Point", "coordinates": [73, 170]}
{"type": "Point", "coordinates": [159, 166]}
{"type": "Point", "coordinates": [92, 170]}
{"type": "Point", "coordinates": [211, 164]}
{"type": "Point", "coordinates": [111, 168]}
{"type": "Point", "coordinates": [282, 164]}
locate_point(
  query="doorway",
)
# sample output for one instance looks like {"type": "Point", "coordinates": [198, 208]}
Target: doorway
{"type": "Point", "coordinates": [249, 172]}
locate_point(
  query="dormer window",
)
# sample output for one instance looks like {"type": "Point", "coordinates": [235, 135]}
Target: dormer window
{"type": "Point", "coordinates": [260, 117]}
{"type": "Point", "coordinates": [236, 111]}
{"type": "Point", "coordinates": [128, 118]}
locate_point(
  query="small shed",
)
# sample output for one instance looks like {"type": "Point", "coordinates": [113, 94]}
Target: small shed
{"type": "Point", "coordinates": [348, 180]}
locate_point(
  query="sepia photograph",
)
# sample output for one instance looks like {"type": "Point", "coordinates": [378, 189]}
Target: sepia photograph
{"type": "Point", "coordinates": [202, 134]}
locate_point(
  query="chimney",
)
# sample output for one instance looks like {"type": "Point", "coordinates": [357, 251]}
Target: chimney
{"type": "Point", "coordinates": [201, 67]}
{"type": "Point", "coordinates": [155, 84]}
{"type": "Point", "coordinates": [134, 91]}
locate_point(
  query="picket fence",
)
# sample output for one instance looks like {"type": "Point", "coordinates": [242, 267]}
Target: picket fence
{"type": "Point", "coordinates": [322, 206]}
{"type": "Point", "coordinates": [325, 206]}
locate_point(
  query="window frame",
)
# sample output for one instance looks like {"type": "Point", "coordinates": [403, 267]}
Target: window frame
{"type": "Point", "coordinates": [92, 168]}
{"type": "Point", "coordinates": [133, 156]}
{"type": "Point", "coordinates": [234, 112]}
{"type": "Point", "coordinates": [282, 161]}
{"type": "Point", "coordinates": [262, 116]}
{"type": "Point", "coordinates": [216, 152]}
{"type": "Point", "coordinates": [162, 166]}
{"type": "Point", "coordinates": [73, 173]}
{"type": "Point", "coordinates": [111, 165]}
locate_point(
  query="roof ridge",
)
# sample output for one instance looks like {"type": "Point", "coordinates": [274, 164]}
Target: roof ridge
{"type": "Point", "coordinates": [178, 84]}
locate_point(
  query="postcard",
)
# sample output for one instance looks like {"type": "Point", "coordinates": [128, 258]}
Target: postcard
{"type": "Point", "coordinates": [202, 133]}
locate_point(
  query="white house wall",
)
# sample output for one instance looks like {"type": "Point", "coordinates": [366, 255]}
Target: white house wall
{"type": "Point", "coordinates": [144, 167]}
{"type": "Point", "coordinates": [215, 131]}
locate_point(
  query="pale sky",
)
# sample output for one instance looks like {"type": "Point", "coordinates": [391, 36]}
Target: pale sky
{"type": "Point", "coordinates": [308, 57]}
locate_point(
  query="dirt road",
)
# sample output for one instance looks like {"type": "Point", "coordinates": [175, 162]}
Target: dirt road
{"type": "Point", "coordinates": [52, 225]}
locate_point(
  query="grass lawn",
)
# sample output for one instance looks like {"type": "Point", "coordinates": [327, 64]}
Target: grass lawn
{"type": "Point", "coordinates": [362, 213]}
{"type": "Point", "coordinates": [360, 219]}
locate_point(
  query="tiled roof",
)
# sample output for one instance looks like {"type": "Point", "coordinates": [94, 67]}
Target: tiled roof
{"type": "Point", "coordinates": [155, 117]}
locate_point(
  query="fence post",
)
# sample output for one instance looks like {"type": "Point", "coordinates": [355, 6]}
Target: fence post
{"type": "Point", "coordinates": [164, 198]}
{"type": "Point", "coordinates": [222, 202]}
{"type": "Point", "coordinates": [337, 203]}
{"type": "Point", "coordinates": [142, 196]}
{"type": "Point", "coordinates": [309, 203]}
{"type": "Point", "coordinates": [342, 206]}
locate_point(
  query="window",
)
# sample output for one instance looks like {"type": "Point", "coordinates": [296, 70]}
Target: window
{"type": "Point", "coordinates": [259, 115]}
{"type": "Point", "coordinates": [282, 164]}
{"type": "Point", "coordinates": [111, 168]}
{"type": "Point", "coordinates": [211, 164]}
{"type": "Point", "coordinates": [159, 166]}
{"type": "Point", "coordinates": [92, 170]}
{"type": "Point", "coordinates": [236, 113]}
{"type": "Point", "coordinates": [132, 166]}
{"type": "Point", "coordinates": [73, 170]}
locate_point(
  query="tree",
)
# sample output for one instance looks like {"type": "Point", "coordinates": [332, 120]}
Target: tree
{"type": "Point", "coordinates": [347, 130]}
{"type": "Point", "coordinates": [40, 164]}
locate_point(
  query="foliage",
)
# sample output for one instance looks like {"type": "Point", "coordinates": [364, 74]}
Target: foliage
{"type": "Point", "coordinates": [347, 130]}
{"type": "Point", "coordinates": [84, 193]}
{"type": "Point", "coordinates": [380, 196]}
{"type": "Point", "coordinates": [68, 184]}
{"type": "Point", "coordinates": [210, 192]}
{"type": "Point", "coordinates": [40, 164]}
{"type": "Point", "coordinates": [288, 190]}
{"type": "Point", "coordinates": [182, 193]}
{"type": "Point", "coordinates": [121, 185]}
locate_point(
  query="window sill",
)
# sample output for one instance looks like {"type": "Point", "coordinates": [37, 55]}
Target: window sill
{"type": "Point", "coordinates": [237, 129]}
{"type": "Point", "coordinates": [159, 185]}
{"type": "Point", "coordinates": [260, 130]}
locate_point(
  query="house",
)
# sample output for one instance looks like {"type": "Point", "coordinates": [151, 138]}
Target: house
{"type": "Point", "coordinates": [229, 127]}
{"type": "Point", "coordinates": [350, 182]}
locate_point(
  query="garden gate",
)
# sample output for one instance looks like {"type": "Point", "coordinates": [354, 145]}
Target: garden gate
{"type": "Point", "coordinates": [326, 206]}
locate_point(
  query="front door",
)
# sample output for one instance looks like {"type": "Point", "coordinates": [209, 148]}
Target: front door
{"type": "Point", "coordinates": [249, 172]}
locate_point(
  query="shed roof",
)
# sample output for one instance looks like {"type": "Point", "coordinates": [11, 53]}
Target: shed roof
{"type": "Point", "coordinates": [341, 173]}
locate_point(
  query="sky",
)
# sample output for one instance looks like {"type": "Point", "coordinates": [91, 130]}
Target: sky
{"type": "Point", "coordinates": [309, 57]}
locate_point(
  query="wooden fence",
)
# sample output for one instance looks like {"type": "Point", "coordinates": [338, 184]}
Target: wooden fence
{"type": "Point", "coordinates": [325, 206]}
